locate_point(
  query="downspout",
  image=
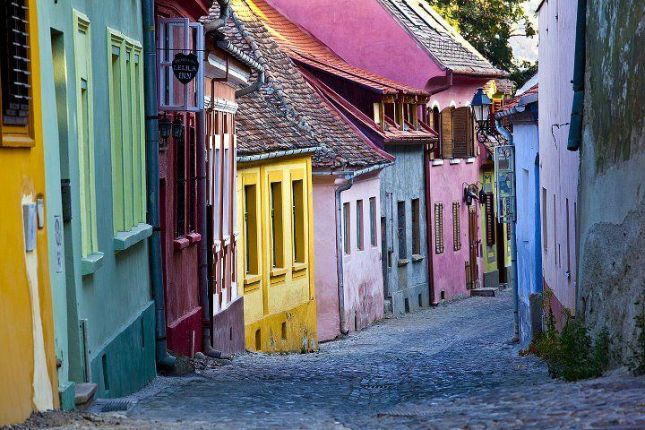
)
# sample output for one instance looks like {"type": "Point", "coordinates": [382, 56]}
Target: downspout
{"type": "Point", "coordinates": [429, 224]}
{"type": "Point", "coordinates": [164, 360]}
{"type": "Point", "coordinates": [516, 297]}
{"type": "Point", "coordinates": [344, 184]}
{"type": "Point", "coordinates": [577, 110]}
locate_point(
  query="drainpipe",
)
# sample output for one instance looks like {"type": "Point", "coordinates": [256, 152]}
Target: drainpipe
{"type": "Point", "coordinates": [344, 184]}
{"type": "Point", "coordinates": [164, 360]}
{"type": "Point", "coordinates": [577, 110]}
{"type": "Point", "coordinates": [429, 224]}
{"type": "Point", "coordinates": [516, 298]}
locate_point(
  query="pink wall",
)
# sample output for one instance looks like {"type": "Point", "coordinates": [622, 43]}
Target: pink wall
{"type": "Point", "coordinates": [325, 248]}
{"type": "Point", "coordinates": [558, 166]}
{"type": "Point", "coordinates": [362, 269]}
{"type": "Point", "coordinates": [449, 267]}
{"type": "Point", "coordinates": [363, 273]}
{"type": "Point", "coordinates": [379, 43]}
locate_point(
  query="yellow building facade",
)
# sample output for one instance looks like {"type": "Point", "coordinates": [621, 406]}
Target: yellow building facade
{"type": "Point", "coordinates": [275, 263]}
{"type": "Point", "coordinates": [27, 359]}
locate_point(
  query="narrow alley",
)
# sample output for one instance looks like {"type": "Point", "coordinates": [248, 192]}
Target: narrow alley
{"type": "Point", "coordinates": [448, 367]}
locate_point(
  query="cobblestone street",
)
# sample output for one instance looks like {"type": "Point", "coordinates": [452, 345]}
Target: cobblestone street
{"type": "Point", "coordinates": [448, 367]}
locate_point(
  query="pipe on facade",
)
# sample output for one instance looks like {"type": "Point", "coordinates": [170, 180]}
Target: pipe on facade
{"type": "Point", "coordinates": [163, 359]}
{"type": "Point", "coordinates": [213, 27]}
{"type": "Point", "coordinates": [427, 182]}
{"type": "Point", "coordinates": [516, 294]}
{"type": "Point", "coordinates": [346, 184]}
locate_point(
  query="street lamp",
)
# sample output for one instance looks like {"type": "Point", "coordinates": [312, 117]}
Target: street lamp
{"type": "Point", "coordinates": [481, 106]}
{"type": "Point", "coordinates": [165, 128]}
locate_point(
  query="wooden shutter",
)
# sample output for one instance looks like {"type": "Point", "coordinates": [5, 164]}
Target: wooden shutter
{"type": "Point", "coordinates": [456, 227]}
{"type": "Point", "coordinates": [460, 132]}
{"type": "Point", "coordinates": [446, 133]}
{"type": "Point", "coordinates": [438, 228]}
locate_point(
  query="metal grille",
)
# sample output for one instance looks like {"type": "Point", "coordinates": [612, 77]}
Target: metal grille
{"type": "Point", "coordinates": [14, 55]}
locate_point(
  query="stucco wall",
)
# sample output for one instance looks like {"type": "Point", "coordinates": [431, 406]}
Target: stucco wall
{"type": "Point", "coordinates": [446, 186]}
{"type": "Point", "coordinates": [406, 282]}
{"type": "Point", "coordinates": [335, 22]}
{"type": "Point", "coordinates": [558, 166]}
{"type": "Point", "coordinates": [528, 238]}
{"type": "Point", "coordinates": [117, 295]}
{"type": "Point", "coordinates": [612, 174]}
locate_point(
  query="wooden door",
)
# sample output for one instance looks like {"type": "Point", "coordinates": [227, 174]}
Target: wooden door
{"type": "Point", "coordinates": [473, 245]}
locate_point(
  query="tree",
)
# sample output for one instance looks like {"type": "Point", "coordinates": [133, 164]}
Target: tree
{"type": "Point", "coordinates": [489, 26]}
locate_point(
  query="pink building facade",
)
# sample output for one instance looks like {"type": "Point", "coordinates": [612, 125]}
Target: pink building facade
{"type": "Point", "coordinates": [362, 275]}
{"type": "Point", "coordinates": [403, 25]}
{"type": "Point", "coordinates": [558, 166]}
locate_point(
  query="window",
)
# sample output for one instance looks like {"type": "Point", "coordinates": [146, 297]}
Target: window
{"type": "Point", "coordinates": [402, 230]}
{"type": "Point", "coordinates": [456, 227]}
{"type": "Point", "coordinates": [298, 220]}
{"type": "Point", "coordinates": [373, 233]}
{"type": "Point", "coordinates": [127, 133]}
{"type": "Point", "coordinates": [251, 230]}
{"type": "Point", "coordinates": [462, 133]}
{"type": "Point", "coordinates": [545, 233]}
{"type": "Point", "coordinates": [346, 228]}
{"type": "Point", "coordinates": [360, 242]}
{"type": "Point", "coordinates": [438, 228]}
{"type": "Point", "coordinates": [15, 74]}
{"type": "Point", "coordinates": [446, 133]}
{"type": "Point", "coordinates": [416, 227]}
{"type": "Point", "coordinates": [277, 231]}
{"type": "Point", "coordinates": [85, 129]}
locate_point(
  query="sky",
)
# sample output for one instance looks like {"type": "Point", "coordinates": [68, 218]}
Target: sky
{"type": "Point", "coordinates": [525, 48]}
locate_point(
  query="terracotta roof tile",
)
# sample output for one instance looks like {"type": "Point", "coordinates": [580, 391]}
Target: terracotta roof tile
{"type": "Point", "coordinates": [287, 113]}
{"type": "Point", "coordinates": [442, 41]}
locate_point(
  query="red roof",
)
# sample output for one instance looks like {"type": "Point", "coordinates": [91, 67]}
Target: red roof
{"type": "Point", "coordinates": [510, 104]}
{"type": "Point", "coordinates": [303, 47]}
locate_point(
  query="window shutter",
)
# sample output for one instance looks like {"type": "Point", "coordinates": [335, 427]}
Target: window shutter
{"type": "Point", "coordinates": [14, 71]}
{"type": "Point", "coordinates": [456, 227]}
{"type": "Point", "coordinates": [460, 132]}
{"type": "Point", "coordinates": [446, 133]}
{"type": "Point", "coordinates": [179, 36]}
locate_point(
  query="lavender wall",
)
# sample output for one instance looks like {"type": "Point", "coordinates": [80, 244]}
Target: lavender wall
{"type": "Point", "coordinates": [379, 43]}
{"type": "Point", "coordinates": [558, 166]}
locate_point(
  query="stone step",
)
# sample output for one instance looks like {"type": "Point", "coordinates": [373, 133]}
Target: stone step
{"type": "Point", "coordinates": [483, 292]}
{"type": "Point", "coordinates": [83, 393]}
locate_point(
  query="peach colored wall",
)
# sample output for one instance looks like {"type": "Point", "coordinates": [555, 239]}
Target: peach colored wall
{"type": "Point", "coordinates": [363, 277]}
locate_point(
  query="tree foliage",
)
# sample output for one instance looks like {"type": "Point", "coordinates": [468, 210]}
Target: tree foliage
{"type": "Point", "coordinates": [489, 26]}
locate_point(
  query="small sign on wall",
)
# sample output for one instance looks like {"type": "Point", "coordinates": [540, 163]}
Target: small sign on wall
{"type": "Point", "coordinates": [505, 181]}
{"type": "Point", "coordinates": [58, 237]}
{"type": "Point", "coordinates": [185, 67]}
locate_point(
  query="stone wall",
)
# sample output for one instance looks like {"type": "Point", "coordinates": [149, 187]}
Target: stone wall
{"type": "Point", "coordinates": [611, 212]}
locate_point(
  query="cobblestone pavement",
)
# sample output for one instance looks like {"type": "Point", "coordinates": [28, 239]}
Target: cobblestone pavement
{"type": "Point", "coordinates": [442, 368]}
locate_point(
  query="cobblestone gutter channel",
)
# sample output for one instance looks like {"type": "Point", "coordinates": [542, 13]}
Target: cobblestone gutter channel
{"type": "Point", "coordinates": [448, 367]}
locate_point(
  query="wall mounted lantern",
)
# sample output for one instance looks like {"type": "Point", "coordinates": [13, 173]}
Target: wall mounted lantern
{"type": "Point", "coordinates": [178, 128]}
{"type": "Point", "coordinates": [165, 128]}
{"type": "Point", "coordinates": [481, 106]}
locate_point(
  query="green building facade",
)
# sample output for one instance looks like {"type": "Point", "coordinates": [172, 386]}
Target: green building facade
{"type": "Point", "coordinates": [92, 95]}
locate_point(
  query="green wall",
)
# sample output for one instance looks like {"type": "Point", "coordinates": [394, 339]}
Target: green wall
{"type": "Point", "coordinates": [116, 296]}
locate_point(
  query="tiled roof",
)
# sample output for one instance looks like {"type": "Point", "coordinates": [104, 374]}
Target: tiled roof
{"type": "Point", "coordinates": [443, 42]}
{"type": "Point", "coordinates": [287, 113]}
{"type": "Point", "coordinates": [305, 48]}
{"type": "Point", "coordinates": [524, 97]}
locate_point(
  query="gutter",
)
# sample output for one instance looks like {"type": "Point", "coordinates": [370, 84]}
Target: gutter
{"type": "Point", "coordinates": [430, 225]}
{"type": "Point", "coordinates": [276, 154]}
{"type": "Point", "coordinates": [163, 359]}
{"type": "Point", "coordinates": [577, 110]}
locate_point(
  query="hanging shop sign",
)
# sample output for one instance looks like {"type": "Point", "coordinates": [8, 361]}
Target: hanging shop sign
{"type": "Point", "coordinates": [185, 67]}
{"type": "Point", "coordinates": [505, 181]}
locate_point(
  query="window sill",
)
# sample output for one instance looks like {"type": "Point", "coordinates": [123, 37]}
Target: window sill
{"type": "Point", "coordinates": [125, 239]}
{"type": "Point", "coordinates": [470, 160]}
{"type": "Point", "coordinates": [91, 263]}
{"type": "Point", "coordinates": [299, 270]}
{"type": "Point", "coordinates": [278, 272]}
{"type": "Point", "coordinates": [437, 162]}
{"type": "Point", "coordinates": [194, 237]}
{"type": "Point", "coordinates": [251, 282]}
{"type": "Point", "coordinates": [417, 257]}
{"type": "Point", "coordinates": [403, 262]}
{"type": "Point", "coordinates": [181, 243]}
{"type": "Point", "coordinates": [455, 161]}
